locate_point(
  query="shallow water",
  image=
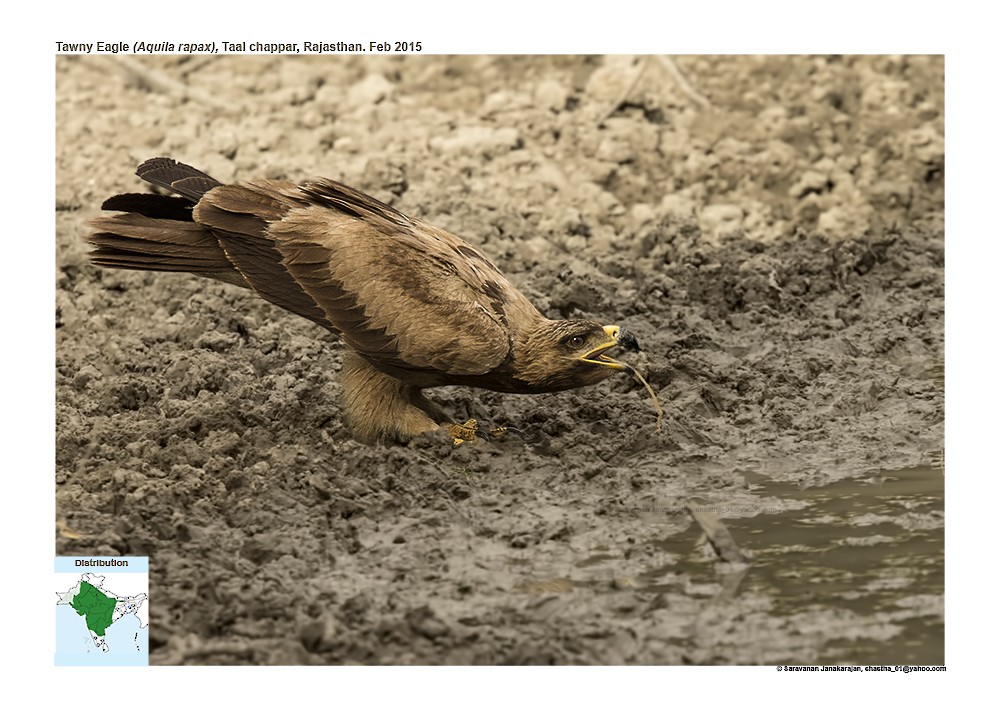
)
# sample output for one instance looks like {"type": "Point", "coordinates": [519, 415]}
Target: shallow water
{"type": "Point", "coordinates": [860, 562]}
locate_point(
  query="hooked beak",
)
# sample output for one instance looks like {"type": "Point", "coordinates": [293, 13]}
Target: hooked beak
{"type": "Point", "coordinates": [617, 337]}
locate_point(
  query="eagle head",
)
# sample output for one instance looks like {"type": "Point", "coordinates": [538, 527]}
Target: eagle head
{"type": "Point", "coordinates": [564, 354]}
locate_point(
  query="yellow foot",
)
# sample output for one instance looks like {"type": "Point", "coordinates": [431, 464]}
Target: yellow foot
{"type": "Point", "coordinates": [469, 431]}
{"type": "Point", "coordinates": [466, 432]}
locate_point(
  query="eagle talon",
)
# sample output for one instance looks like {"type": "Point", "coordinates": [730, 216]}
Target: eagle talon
{"type": "Point", "coordinates": [466, 432]}
{"type": "Point", "coordinates": [469, 431]}
{"type": "Point", "coordinates": [499, 432]}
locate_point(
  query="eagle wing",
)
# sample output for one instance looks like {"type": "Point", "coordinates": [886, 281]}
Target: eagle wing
{"type": "Point", "coordinates": [399, 291]}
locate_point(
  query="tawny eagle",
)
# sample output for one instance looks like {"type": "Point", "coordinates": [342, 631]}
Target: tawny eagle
{"type": "Point", "coordinates": [418, 307]}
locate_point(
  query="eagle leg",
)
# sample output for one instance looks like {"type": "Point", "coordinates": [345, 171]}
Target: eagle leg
{"type": "Point", "coordinates": [382, 408]}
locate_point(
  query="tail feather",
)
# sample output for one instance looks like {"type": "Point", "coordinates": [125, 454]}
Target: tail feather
{"type": "Point", "coordinates": [182, 179]}
{"type": "Point", "coordinates": [158, 232]}
{"type": "Point", "coordinates": [131, 241]}
{"type": "Point", "coordinates": [168, 207]}
{"type": "Point", "coordinates": [214, 230]}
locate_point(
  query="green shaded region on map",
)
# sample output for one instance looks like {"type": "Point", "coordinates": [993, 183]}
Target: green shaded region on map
{"type": "Point", "coordinates": [96, 608]}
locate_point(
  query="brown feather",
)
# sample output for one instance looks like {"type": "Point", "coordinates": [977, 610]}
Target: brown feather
{"type": "Point", "coordinates": [178, 177]}
{"type": "Point", "coordinates": [131, 240]}
{"type": "Point", "coordinates": [166, 207]}
{"type": "Point", "coordinates": [235, 219]}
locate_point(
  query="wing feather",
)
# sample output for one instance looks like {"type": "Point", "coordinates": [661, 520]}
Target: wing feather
{"type": "Point", "coordinates": [238, 218]}
{"type": "Point", "coordinates": [398, 290]}
{"type": "Point", "coordinates": [401, 291]}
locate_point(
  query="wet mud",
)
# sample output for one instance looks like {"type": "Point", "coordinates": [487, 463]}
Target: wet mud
{"type": "Point", "coordinates": [778, 251]}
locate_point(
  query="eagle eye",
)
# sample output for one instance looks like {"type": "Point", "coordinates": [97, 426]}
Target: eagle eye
{"type": "Point", "coordinates": [575, 341]}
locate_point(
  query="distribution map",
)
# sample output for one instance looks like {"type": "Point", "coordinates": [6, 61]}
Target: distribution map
{"type": "Point", "coordinates": [104, 618]}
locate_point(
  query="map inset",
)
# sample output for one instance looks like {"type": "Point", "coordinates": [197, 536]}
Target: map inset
{"type": "Point", "coordinates": [102, 611]}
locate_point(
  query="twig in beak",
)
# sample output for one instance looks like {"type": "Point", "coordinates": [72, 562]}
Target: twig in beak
{"type": "Point", "coordinates": [656, 403]}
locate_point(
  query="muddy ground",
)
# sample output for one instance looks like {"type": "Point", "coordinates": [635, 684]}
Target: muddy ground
{"type": "Point", "coordinates": [774, 239]}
